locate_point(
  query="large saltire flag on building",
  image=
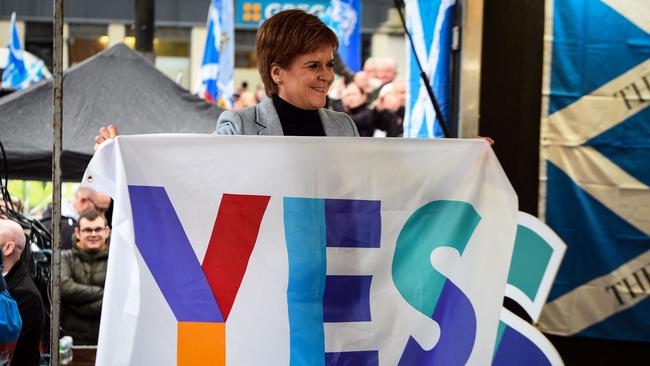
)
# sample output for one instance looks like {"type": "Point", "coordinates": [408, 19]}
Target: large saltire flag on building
{"type": "Point", "coordinates": [284, 251]}
{"type": "Point", "coordinates": [17, 75]}
{"type": "Point", "coordinates": [344, 17]}
{"type": "Point", "coordinates": [216, 74]}
{"type": "Point", "coordinates": [430, 23]}
{"type": "Point", "coordinates": [595, 141]}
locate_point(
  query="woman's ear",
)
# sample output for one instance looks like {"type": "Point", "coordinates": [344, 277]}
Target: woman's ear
{"type": "Point", "coordinates": [276, 73]}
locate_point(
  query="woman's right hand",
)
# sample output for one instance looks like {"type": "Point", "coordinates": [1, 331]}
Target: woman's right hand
{"type": "Point", "coordinates": [105, 133]}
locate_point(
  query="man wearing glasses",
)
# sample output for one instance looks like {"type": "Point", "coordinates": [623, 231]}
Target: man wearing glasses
{"type": "Point", "coordinates": [84, 199]}
{"type": "Point", "coordinates": [83, 273]}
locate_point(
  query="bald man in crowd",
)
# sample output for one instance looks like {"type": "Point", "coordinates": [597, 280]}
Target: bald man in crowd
{"type": "Point", "coordinates": [386, 70]}
{"type": "Point", "coordinates": [24, 291]}
{"type": "Point", "coordinates": [370, 69]}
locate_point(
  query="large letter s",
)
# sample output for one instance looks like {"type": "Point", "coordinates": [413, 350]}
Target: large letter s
{"type": "Point", "coordinates": [434, 225]}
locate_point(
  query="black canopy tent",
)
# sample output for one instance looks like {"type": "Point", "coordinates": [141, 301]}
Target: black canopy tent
{"type": "Point", "coordinates": [115, 86]}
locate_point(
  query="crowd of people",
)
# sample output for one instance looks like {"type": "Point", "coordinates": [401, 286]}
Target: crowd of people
{"type": "Point", "coordinates": [85, 237]}
{"type": "Point", "coordinates": [298, 100]}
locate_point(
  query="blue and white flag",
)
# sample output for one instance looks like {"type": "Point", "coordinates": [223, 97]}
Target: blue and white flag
{"type": "Point", "coordinates": [430, 22]}
{"type": "Point", "coordinates": [344, 17]}
{"type": "Point", "coordinates": [227, 62]}
{"type": "Point", "coordinates": [17, 75]}
{"type": "Point", "coordinates": [595, 133]}
{"type": "Point", "coordinates": [216, 73]}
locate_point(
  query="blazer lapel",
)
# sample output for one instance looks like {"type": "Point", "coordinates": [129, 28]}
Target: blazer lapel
{"type": "Point", "coordinates": [331, 129]}
{"type": "Point", "coordinates": [267, 118]}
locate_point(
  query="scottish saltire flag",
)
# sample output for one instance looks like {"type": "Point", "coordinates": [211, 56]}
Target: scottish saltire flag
{"type": "Point", "coordinates": [288, 252]}
{"type": "Point", "coordinates": [16, 74]}
{"type": "Point", "coordinates": [595, 141]}
{"type": "Point", "coordinates": [430, 23]}
{"type": "Point", "coordinates": [217, 68]}
{"type": "Point", "coordinates": [344, 17]}
{"type": "Point", "coordinates": [226, 79]}
{"type": "Point", "coordinates": [535, 261]}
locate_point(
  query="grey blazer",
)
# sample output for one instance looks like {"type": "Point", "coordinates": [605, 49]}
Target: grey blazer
{"type": "Point", "coordinates": [263, 119]}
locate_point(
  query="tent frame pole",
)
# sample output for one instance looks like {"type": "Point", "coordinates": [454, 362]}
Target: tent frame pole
{"type": "Point", "coordinates": [57, 125]}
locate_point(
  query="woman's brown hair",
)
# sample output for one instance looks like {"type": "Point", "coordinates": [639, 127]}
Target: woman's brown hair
{"type": "Point", "coordinates": [286, 35]}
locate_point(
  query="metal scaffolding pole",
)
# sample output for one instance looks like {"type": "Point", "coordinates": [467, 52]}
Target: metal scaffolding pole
{"type": "Point", "coordinates": [57, 125]}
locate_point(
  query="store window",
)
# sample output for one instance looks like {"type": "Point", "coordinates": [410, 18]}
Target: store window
{"type": "Point", "coordinates": [86, 40]}
{"type": "Point", "coordinates": [245, 56]}
{"type": "Point", "coordinates": [38, 41]}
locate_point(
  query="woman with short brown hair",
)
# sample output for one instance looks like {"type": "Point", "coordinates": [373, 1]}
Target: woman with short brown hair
{"type": "Point", "coordinates": [286, 35]}
{"type": "Point", "coordinates": [295, 57]}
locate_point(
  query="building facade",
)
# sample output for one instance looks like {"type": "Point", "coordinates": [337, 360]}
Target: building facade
{"type": "Point", "coordinates": [180, 31]}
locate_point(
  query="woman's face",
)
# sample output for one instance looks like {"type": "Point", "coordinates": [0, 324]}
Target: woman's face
{"type": "Point", "coordinates": [352, 96]}
{"type": "Point", "coordinates": [306, 81]}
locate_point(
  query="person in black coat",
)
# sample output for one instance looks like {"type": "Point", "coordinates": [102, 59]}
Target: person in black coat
{"type": "Point", "coordinates": [24, 291]}
{"type": "Point", "coordinates": [388, 109]}
{"type": "Point", "coordinates": [354, 100]}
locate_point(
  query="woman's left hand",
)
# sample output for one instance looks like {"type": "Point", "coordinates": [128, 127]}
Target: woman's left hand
{"type": "Point", "coordinates": [489, 140]}
{"type": "Point", "coordinates": [105, 133]}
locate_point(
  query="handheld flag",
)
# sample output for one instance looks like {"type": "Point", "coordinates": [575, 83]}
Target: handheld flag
{"type": "Point", "coordinates": [16, 75]}
{"type": "Point", "coordinates": [225, 81]}
{"type": "Point", "coordinates": [216, 73]}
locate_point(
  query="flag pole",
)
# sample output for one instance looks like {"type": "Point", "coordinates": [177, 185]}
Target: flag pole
{"type": "Point", "coordinates": [57, 125]}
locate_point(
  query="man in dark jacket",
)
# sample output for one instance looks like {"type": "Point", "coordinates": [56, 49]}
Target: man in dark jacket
{"type": "Point", "coordinates": [83, 273]}
{"type": "Point", "coordinates": [24, 291]}
{"type": "Point", "coordinates": [84, 198]}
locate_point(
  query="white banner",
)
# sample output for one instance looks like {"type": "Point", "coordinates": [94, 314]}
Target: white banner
{"type": "Point", "coordinates": [247, 250]}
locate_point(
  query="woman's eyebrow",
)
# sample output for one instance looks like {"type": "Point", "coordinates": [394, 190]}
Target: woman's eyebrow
{"type": "Point", "coordinates": [317, 61]}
